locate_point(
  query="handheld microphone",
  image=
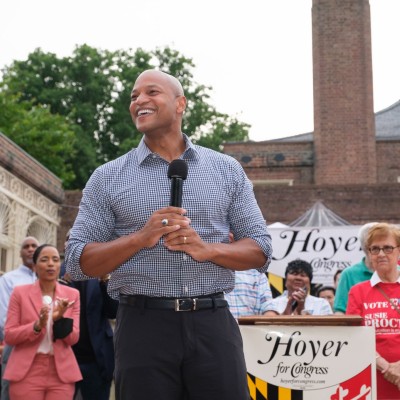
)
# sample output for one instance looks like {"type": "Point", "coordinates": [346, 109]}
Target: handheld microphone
{"type": "Point", "coordinates": [177, 172]}
{"type": "Point", "coordinates": [294, 302]}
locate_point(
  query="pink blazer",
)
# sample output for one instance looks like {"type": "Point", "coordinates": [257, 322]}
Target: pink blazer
{"type": "Point", "coordinates": [23, 310]}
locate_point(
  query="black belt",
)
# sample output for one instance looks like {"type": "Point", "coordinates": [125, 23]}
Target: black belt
{"type": "Point", "coordinates": [183, 304]}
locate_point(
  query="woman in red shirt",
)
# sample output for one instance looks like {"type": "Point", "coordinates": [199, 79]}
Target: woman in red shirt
{"type": "Point", "coordinates": [378, 302]}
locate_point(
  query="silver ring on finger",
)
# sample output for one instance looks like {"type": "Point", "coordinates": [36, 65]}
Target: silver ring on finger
{"type": "Point", "coordinates": [164, 222]}
{"type": "Point", "coordinates": [184, 239]}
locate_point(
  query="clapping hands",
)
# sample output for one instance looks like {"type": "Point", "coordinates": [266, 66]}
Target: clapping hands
{"type": "Point", "coordinates": [61, 305]}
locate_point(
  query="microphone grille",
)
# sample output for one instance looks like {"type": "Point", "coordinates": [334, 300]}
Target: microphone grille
{"type": "Point", "coordinates": [178, 169]}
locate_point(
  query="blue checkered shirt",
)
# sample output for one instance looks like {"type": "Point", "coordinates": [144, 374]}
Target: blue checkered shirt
{"type": "Point", "coordinates": [250, 295]}
{"type": "Point", "coordinates": [121, 195]}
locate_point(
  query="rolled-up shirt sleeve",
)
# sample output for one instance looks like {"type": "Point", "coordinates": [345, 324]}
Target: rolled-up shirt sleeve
{"type": "Point", "coordinates": [245, 215]}
{"type": "Point", "coordinates": [94, 223]}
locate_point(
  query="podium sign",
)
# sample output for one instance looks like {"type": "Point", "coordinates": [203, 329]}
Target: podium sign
{"type": "Point", "coordinates": [303, 362]}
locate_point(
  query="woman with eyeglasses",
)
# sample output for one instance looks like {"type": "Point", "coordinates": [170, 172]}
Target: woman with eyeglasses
{"type": "Point", "coordinates": [378, 302]}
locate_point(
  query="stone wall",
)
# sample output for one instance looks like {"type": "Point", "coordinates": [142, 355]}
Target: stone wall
{"type": "Point", "coordinates": [30, 196]}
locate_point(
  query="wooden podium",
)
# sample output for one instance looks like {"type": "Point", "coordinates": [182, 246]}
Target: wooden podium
{"type": "Point", "coordinates": [309, 357]}
{"type": "Point", "coordinates": [318, 320]}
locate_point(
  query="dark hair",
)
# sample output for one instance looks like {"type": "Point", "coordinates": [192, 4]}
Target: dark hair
{"type": "Point", "coordinates": [323, 288]}
{"type": "Point", "coordinates": [39, 250]}
{"type": "Point", "coordinates": [338, 272]}
{"type": "Point", "coordinates": [299, 266]}
{"type": "Point", "coordinates": [336, 275]}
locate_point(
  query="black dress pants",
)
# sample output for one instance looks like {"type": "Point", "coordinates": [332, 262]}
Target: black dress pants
{"type": "Point", "coordinates": [169, 355]}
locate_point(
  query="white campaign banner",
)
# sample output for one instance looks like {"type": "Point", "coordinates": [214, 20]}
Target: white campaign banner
{"type": "Point", "coordinates": [327, 249]}
{"type": "Point", "coordinates": [310, 362]}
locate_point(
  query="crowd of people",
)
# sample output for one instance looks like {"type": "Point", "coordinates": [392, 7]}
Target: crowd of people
{"type": "Point", "coordinates": [59, 330]}
{"type": "Point", "coordinates": [59, 340]}
{"type": "Point", "coordinates": [132, 258]}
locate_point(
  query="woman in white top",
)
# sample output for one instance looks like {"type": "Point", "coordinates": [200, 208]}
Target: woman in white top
{"type": "Point", "coordinates": [296, 300]}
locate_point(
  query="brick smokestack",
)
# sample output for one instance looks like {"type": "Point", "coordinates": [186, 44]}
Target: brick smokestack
{"type": "Point", "coordinates": [344, 125]}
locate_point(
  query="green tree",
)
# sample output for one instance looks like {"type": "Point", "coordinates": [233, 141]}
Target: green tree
{"type": "Point", "coordinates": [91, 89]}
{"type": "Point", "coordinates": [45, 136]}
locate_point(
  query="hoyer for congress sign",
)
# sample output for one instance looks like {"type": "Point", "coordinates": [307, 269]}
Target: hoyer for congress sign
{"type": "Point", "coordinates": [327, 249]}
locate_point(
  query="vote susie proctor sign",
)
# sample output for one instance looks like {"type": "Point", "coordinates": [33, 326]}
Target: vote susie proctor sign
{"type": "Point", "coordinates": [310, 362]}
{"type": "Point", "coordinates": [327, 249]}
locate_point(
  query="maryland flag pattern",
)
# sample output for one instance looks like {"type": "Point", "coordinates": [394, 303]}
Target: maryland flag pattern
{"type": "Point", "coordinates": [261, 390]}
{"type": "Point", "coordinates": [275, 282]}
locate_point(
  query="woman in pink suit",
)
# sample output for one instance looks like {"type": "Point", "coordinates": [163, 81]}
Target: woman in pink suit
{"type": "Point", "coordinates": [42, 325]}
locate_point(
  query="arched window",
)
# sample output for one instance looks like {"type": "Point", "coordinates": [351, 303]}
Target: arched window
{"type": "Point", "coordinates": [41, 230]}
{"type": "Point", "coordinates": [5, 220]}
{"type": "Point", "coordinates": [5, 212]}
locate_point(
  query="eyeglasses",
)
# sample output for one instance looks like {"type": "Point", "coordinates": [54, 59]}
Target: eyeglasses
{"type": "Point", "coordinates": [375, 250]}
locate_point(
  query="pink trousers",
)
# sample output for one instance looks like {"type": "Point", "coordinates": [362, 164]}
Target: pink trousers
{"type": "Point", "coordinates": [42, 382]}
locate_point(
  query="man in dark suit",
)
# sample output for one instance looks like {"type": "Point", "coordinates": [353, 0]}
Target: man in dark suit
{"type": "Point", "coordinates": [95, 349]}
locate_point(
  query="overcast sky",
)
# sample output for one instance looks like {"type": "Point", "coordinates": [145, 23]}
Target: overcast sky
{"type": "Point", "coordinates": [256, 54]}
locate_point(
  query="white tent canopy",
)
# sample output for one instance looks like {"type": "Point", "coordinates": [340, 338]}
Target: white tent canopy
{"type": "Point", "coordinates": [319, 215]}
{"type": "Point", "coordinates": [277, 225]}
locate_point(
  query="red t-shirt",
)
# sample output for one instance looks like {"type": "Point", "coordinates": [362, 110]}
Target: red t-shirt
{"type": "Point", "coordinates": [377, 311]}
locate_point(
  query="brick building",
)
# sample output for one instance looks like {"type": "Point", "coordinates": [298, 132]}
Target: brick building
{"type": "Point", "coordinates": [350, 161]}
{"type": "Point", "coordinates": [283, 170]}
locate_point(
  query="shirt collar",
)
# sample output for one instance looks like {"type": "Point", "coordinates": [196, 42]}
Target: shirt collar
{"type": "Point", "coordinates": [375, 279]}
{"type": "Point", "coordinates": [28, 271]}
{"type": "Point", "coordinates": [143, 151]}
